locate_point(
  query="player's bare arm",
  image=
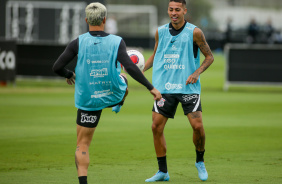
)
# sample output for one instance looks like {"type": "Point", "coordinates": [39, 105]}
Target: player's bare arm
{"type": "Point", "coordinates": [200, 40]}
{"type": "Point", "coordinates": [149, 62]}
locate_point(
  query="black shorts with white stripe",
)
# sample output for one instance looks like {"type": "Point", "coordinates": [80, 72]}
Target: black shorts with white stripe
{"type": "Point", "coordinates": [168, 104]}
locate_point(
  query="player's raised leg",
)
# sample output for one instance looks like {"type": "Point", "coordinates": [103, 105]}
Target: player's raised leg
{"type": "Point", "coordinates": [158, 125]}
{"type": "Point", "coordinates": [84, 137]}
{"type": "Point", "coordinates": [117, 108]}
{"type": "Point", "coordinates": [196, 122]}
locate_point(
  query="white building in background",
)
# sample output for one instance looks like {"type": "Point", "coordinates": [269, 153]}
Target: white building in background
{"type": "Point", "coordinates": [242, 11]}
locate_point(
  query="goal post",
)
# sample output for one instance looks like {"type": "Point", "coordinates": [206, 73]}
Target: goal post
{"type": "Point", "coordinates": [135, 20]}
{"type": "Point", "coordinates": [44, 21]}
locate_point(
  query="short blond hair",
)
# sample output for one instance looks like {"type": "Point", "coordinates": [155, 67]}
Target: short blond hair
{"type": "Point", "coordinates": [95, 13]}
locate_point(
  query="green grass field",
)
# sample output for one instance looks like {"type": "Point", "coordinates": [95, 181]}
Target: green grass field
{"type": "Point", "coordinates": [38, 135]}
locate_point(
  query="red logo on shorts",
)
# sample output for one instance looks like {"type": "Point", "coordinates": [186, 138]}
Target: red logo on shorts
{"type": "Point", "coordinates": [161, 102]}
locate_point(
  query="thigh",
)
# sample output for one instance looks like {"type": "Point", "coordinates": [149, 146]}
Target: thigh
{"type": "Point", "coordinates": [123, 77]}
{"type": "Point", "coordinates": [84, 135]}
{"type": "Point", "coordinates": [190, 103]}
{"type": "Point", "coordinates": [166, 106]}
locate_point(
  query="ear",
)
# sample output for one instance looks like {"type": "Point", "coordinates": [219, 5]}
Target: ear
{"type": "Point", "coordinates": [185, 11]}
{"type": "Point", "coordinates": [104, 20]}
{"type": "Point", "coordinates": [86, 20]}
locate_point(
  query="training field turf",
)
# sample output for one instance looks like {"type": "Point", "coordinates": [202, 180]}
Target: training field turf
{"type": "Point", "coordinates": [38, 136]}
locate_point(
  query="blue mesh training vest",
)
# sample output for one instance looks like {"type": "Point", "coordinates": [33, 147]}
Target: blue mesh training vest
{"type": "Point", "coordinates": [97, 83]}
{"type": "Point", "coordinates": [174, 62]}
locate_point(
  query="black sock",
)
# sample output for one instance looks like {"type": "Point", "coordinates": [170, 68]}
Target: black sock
{"type": "Point", "coordinates": [82, 179]}
{"type": "Point", "coordinates": [200, 156]}
{"type": "Point", "coordinates": [162, 164]}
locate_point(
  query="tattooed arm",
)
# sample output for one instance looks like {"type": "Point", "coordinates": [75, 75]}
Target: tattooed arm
{"type": "Point", "coordinates": [200, 41]}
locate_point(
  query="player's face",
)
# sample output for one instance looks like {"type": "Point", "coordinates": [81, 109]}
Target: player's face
{"type": "Point", "coordinates": [176, 12]}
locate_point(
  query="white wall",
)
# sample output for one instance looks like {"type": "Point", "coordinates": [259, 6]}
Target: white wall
{"type": "Point", "coordinates": [243, 11]}
{"type": "Point", "coordinates": [241, 16]}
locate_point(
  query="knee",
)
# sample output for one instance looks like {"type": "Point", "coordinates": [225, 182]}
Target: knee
{"type": "Point", "coordinates": [198, 127]}
{"type": "Point", "coordinates": [124, 75]}
{"type": "Point", "coordinates": [157, 129]}
{"type": "Point", "coordinates": [126, 93]}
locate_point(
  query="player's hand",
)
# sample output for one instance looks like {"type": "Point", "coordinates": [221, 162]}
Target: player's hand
{"type": "Point", "coordinates": [143, 71]}
{"type": "Point", "coordinates": [157, 95]}
{"type": "Point", "coordinates": [71, 80]}
{"type": "Point", "coordinates": [192, 78]}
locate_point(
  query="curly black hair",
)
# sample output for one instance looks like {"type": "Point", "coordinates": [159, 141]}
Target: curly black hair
{"type": "Point", "coordinates": [179, 1]}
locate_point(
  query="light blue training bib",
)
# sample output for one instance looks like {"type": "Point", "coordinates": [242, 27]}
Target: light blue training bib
{"type": "Point", "coordinates": [98, 84]}
{"type": "Point", "coordinates": [174, 62]}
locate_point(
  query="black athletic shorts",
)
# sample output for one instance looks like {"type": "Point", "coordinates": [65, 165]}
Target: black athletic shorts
{"type": "Point", "coordinates": [88, 119]}
{"type": "Point", "coordinates": [91, 119]}
{"type": "Point", "coordinates": [168, 104]}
